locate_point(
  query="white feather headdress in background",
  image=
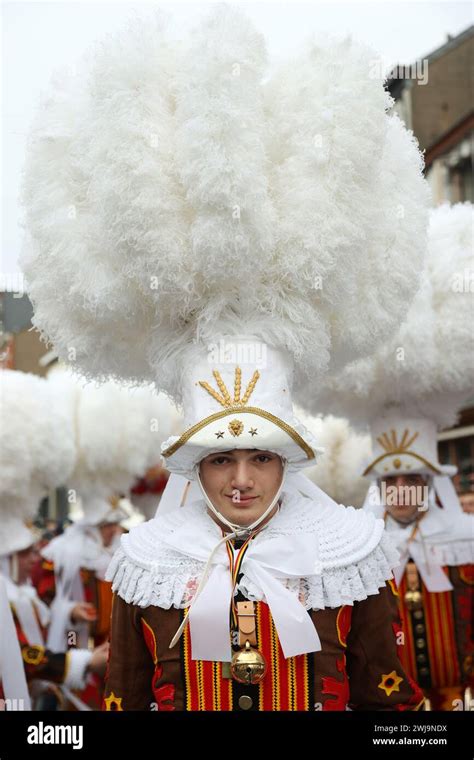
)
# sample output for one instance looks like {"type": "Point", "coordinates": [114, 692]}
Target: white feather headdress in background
{"type": "Point", "coordinates": [118, 434]}
{"type": "Point", "coordinates": [338, 472]}
{"type": "Point", "coordinates": [426, 369]}
{"type": "Point", "coordinates": [37, 444]}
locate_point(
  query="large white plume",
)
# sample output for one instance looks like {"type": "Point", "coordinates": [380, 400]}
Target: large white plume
{"type": "Point", "coordinates": [346, 452]}
{"type": "Point", "coordinates": [427, 368]}
{"type": "Point", "coordinates": [118, 431]}
{"type": "Point", "coordinates": [174, 191]}
{"type": "Point", "coordinates": [37, 443]}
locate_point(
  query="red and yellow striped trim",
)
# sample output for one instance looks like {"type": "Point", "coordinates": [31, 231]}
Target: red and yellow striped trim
{"type": "Point", "coordinates": [205, 688]}
{"type": "Point", "coordinates": [439, 633]}
{"type": "Point", "coordinates": [441, 638]}
{"type": "Point", "coordinates": [285, 686]}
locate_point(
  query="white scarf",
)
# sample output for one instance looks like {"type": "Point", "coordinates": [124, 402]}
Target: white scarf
{"type": "Point", "coordinates": [12, 672]}
{"type": "Point", "coordinates": [28, 608]}
{"type": "Point", "coordinates": [263, 563]}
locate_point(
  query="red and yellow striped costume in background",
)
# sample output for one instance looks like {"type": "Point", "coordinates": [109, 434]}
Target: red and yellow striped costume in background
{"type": "Point", "coordinates": [38, 661]}
{"type": "Point", "coordinates": [438, 648]}
{"type": "Point", "coordinates": [97, 592]}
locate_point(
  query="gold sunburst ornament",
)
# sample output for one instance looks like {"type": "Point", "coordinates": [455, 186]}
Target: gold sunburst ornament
{"type": "Point", "coordinates": [225, 399]}
{"type": "Point", "coordinates": [242, 413]}
{"type": "Point", "coordinates": [402, 447]}
{"type": "Point", "coordinates": [392, 445]}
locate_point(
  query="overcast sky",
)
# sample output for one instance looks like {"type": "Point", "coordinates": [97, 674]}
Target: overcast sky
{"type": "Point", "coordinates": [38, 37]}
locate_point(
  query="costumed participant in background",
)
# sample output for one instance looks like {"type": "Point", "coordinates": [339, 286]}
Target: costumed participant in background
{"type": "Point", "coordinates": [13, 686]}
{"type": "Point", "coordinates": [415, 385]}
{"type": "Point", "coordinates": [228, 270]}
{"type": "Point", "coordinates": [73, 567]}
{"type": "Point", "coordinates": [467, 502]}
{"type": "Point", "coordinates": [37, 455]}
{"type": "Point", "coordinates": [109, 458]}
{"type": "Point", "coordinates": [80, 556]}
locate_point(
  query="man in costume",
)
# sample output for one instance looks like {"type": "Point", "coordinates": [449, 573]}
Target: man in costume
{"type": "Point", "coordinates": [37, 455]}
{"type": "Point", "coordinates": [109, 458]}
{"type": "Point", "coordinates": [256, 208]}
{"type": "Point", "coordinates": [408, 390]}
{"type": "Point", "coordinates": [45, 669]}
{"type": "Point", "coordinates": [415, 495]}
{"type": "Point", "coordinates": [73, 573]}
{"type": "Point", "coordinates": [307, 581]}
{"type": "Point", "coordinates": [73, 568]}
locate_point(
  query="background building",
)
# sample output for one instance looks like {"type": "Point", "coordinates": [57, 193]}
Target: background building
{"type": "Point", "coordinates": [435, 98]}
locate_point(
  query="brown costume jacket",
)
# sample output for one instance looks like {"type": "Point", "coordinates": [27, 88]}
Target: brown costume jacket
{"type": "Point", "coordinates": [358, 667]}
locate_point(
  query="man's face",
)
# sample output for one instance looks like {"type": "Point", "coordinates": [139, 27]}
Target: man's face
{"type": "Point", "coordinates": [467, 502]}
{"type": "Point", "coordinates": [404, 496]}
{"type": "Point", "coordinates": [241, 483]}
{"type": "Point", "coordinates": [26, 561]}
{"type": "Point", "coordinates": [108, 532]}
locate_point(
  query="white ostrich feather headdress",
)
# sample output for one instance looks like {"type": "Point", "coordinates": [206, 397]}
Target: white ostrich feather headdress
{"type": "Point", "coordinates": [338, 473]}
{"type": "Point", "coordinates": [416, 383]}
{"type": "Point", "coordinates": [118, 437]}
{"type": "Point", "coordinates": [175, 195]}
{"type": "Point", "coordinates": [37, 451]}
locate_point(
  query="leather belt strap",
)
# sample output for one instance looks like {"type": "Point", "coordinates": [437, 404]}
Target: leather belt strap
{"type": "Point", "coordinates": [246, 623]}
{"type": "Point", "coordinates": [413, 580]}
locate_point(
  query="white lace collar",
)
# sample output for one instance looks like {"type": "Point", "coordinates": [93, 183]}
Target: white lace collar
{"type": "Point", "coordinates": [353, 556]}
{"type": "Point", "coordinates": [442, 542]}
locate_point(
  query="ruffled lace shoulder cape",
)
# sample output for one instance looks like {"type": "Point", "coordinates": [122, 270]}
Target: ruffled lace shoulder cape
{"type": "Point", "coordinates": [355, 555]}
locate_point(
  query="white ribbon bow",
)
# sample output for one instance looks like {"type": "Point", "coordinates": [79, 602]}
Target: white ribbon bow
{"type": "Point", "coordinates": [434, 578]}
{"type": "Point", "coordinates": [422, 552]}
{"type": "Point", "coordinates": [28, 608]}
{"type": "Point", "coordinates": [265, 561]}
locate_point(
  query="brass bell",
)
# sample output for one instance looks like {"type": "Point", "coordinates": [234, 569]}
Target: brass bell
{"type": "Point", "coordinates": [413, 600]}
{"type": "Point", "coordinates": [248, 665]}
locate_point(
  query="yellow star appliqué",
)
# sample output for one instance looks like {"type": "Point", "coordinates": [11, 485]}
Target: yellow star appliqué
{"type": "Point", "coordinates": [390, 682]}
{"type": "Point", "coordinates": [113, 703]}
